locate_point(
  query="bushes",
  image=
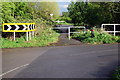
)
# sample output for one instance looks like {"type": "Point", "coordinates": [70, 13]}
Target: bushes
{"type": "Point", "coordinates": [97, 39]}
{"type": "Point", "coordinates": [42, 39]}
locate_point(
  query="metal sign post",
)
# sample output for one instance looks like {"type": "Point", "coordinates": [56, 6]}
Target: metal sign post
{"type": "Point", "coordinates": [33, 34]}
{"type": "Point", "coordinates": [30, 35]}
{"type": "Point", "coordinates": [29, 32]}
{"type": "Point", "coordinates": [14, 35]}
{"type": "Point", "coordinates": [26, 36]}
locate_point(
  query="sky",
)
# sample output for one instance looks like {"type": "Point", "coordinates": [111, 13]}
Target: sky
{"type": "Point", "coordinates": [63, 6]}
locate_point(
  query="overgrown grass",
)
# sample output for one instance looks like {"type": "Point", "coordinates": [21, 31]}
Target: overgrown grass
{"type": "Point", "coordinates": [43, 39]}
{"type": "Point", "coordinates": [116, 75]}
{"type": "Point", "coordinates": [99, 38]}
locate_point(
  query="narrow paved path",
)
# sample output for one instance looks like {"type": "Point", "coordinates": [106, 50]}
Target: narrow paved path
{"type": "Point", "coordinates": [64, 41]}
{"type": "Point", "coordinates": [63, 38]}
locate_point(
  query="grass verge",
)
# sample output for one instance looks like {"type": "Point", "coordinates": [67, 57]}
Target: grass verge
{"type": "Point", "coordinates": [43, 39]}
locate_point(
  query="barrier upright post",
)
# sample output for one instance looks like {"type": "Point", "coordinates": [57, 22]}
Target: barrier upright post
{"type": "Point", "coordinates": [69, 33]}
{"type": "Point", "coordinates": [114, 29]}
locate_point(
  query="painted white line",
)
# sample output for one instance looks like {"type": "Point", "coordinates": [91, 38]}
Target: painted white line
{"type": "Point", "coordinates": [13, 70]}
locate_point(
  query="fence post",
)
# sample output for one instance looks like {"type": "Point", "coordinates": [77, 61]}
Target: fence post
{"type": "Point", "coordinates": [114, 29]}
{"type": "Point", "coordinates": [69, 33]}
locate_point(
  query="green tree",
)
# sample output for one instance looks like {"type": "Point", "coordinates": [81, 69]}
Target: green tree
{"type": "Point", "coordinates": [94, 13]}
{"type": "Point", "coordinates": [23, 12]}
{"type": "Point", "coordinates": [8, 12]}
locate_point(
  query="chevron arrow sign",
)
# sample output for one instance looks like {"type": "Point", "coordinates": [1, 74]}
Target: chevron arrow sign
{"type": "Point", "coordinates": [18, 27]}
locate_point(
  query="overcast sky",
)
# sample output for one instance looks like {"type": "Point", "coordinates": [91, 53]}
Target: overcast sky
{"type": "Point", "coordinates": [63, 6]}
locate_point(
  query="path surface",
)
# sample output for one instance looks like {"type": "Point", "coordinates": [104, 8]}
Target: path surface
{"type": "Point", "coordinates": [64, 41]}
{"type": "Point", "coordinates": [80, 61]}
{"type": "Point", "coordinates": [63, 38]}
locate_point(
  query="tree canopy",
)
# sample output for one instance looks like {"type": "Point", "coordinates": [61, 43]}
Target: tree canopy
{"type": "Point", "coordinates": [29, 12]}
{"type": "Point", "coordinates": [90, 13]}
{"type": "Point", "coordinates": [13, 11]}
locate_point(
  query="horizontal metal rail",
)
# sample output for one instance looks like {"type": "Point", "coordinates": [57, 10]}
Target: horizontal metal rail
{"type": "Point", "coordinates": [69, 28]}
{"type": "Point", "coordinates": [114, 31]}
{"type": "Point", "coordinates": [74, 32]}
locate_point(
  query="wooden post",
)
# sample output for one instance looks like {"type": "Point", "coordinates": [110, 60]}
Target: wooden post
{"type": "Point", "coordinates": [14, 36]}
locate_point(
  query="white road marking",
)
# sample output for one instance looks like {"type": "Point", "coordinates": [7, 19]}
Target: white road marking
{"type": "Point", "coordinates": [13, 70]}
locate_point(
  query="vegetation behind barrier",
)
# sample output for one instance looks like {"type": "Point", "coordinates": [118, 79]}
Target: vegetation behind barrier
{"type": "Point", "coordinates": [99, 37]}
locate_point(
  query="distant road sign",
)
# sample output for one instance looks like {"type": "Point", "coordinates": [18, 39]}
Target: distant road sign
{"type": "Point", "coordinates": [18, 27]}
